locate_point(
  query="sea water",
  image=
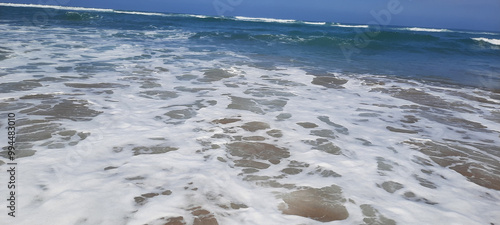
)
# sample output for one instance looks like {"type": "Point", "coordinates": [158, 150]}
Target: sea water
{"type": "Point", "coordinates": [151, 118]}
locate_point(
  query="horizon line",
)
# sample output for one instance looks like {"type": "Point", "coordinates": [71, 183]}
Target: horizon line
{"type": "Point", "coordinates": [241, 18]}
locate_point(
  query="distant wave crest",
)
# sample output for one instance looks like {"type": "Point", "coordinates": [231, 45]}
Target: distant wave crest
{"type": "Point", "coordinates": [269, 20]}
{"type": "Point", "coordinates": [350, 26]}
{"type": "Point", "coordinates": [238, 18]}
{"type": "Point", "coordinates": [419, 29]}
{"type": "Point", "coordinates": [488, 40]}
{"type": "Point", "coordinates": [57, 7]}
{"type": "Point", "coordinates": [315, 23]}
{"type": "Point", "coordinates": [140, 13]}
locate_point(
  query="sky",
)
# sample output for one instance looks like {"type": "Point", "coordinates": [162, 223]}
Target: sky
{"type": "Point", "coordinates": [454, 14]}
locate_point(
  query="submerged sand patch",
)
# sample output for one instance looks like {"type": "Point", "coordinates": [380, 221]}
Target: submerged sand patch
{"type": "Point", "coordinates": [320, 204]}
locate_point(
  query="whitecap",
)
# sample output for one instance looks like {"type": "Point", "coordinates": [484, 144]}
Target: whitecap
{"type": "Point", "coordinates": [488, 40]}
{"type": "Point", "coordinates": [267, 20]}
{"type": "Point", "coordinates": [140, 13]}
{"type": "Point", "coordinates": [350, 26]}
{"type": "Point", "coordinates": [315, 23]}
{"type": "Point", "coordinates": [420, 29]}
{"type": "Point", "coordinates": [56, 7]}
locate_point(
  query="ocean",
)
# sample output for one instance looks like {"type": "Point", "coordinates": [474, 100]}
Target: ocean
{"type": "Point", "coordinates": [124, 117]}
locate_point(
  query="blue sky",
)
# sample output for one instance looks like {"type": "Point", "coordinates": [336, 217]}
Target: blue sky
{"type": "Point", "coordinates": [461, 14]}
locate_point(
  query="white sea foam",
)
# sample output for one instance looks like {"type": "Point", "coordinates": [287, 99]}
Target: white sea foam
{"type": "Point", "coordinates": [172, 100]}
{"type": "Point", "coordinates": [253, 19]}
{"type": "Point", "coordinates": [479, 32]}
{"type": "Point", "coordinates": [488, 40]}
{"type": "Point", "coordinates": [199, 16]}
{"type": "Point", "coordinates": [419, 29]}
{"type": "Point", "coordinates": [83, 9]}
{"type": "Point", "coordinates": [140, 13]}
{"type": "Point", "coordinates": [315, 23]}
{"type": "Point", "coordinates": [57, 7]}
{"type": "Point", "coordinates": [267, 20]}
{"type": "Point", "coordinates": [350, 26]}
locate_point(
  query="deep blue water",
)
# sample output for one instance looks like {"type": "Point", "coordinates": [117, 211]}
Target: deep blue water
{"type": "Point", "coordinates": [439, 55]}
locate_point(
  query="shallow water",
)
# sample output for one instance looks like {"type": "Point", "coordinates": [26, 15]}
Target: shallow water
{"type": "Point", "coordinates": [120, 126]}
